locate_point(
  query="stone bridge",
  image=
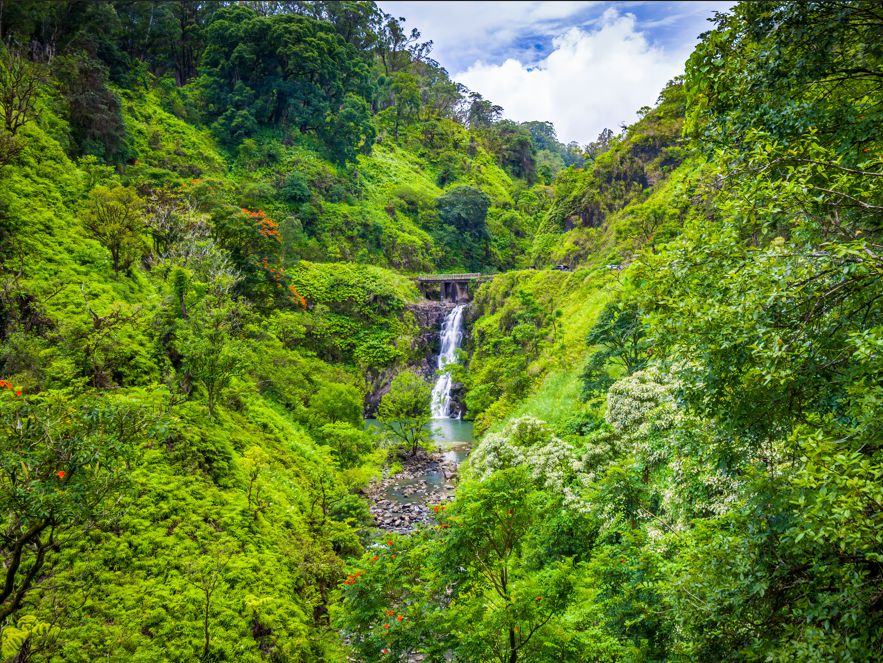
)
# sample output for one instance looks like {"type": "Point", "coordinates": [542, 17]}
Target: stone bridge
{"type": "Point", "coordinates": [449, 287]}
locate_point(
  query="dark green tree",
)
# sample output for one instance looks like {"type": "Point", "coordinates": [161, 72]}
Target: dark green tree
{"type": "Point", "coordinates": [285, 70]}
{"type": "Point", "coordinates": [621, 336]}
{"type": "Point", "coordinates": [463, 210]}
{"type": "Point", "coordinates": [405, 411]}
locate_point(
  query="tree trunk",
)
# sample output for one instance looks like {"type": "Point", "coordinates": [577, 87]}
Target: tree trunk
{"type": "Point", "coordinates": [205, 630]}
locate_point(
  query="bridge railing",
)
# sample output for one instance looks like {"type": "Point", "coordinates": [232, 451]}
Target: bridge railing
{"type": "Point", "coordinates": [439, 278]}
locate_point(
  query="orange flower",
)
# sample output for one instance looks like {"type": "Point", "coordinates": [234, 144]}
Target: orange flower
{"type": "Point", "coordinates": [386, 626]}
{"type": "Point", "coordinates": [538, 599]}
{"type": "Point", "coordinates": [399, 618]}
{"type": "Point", "coordinates": [390, 612]}
{"type": "Point", "coordinates": [18, 393]}
{"type": "Point", "coordinates": [60, 474]}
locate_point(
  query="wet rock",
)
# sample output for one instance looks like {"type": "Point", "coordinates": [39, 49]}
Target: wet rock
{"type": "Point", "coordinates": [402, 517]}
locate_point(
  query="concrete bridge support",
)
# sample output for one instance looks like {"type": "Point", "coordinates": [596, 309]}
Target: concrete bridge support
{"type": "Point", "coordinates": [454, 292]}
{"type": "Point", "coordinates": [448, 287]}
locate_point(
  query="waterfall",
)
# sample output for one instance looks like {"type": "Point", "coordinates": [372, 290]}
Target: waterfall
{"type": "Point", "coordinates": [451, 335]}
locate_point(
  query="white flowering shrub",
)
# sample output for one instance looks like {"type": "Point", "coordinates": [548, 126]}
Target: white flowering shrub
{"type": "Point", "coordinates": [631, 400]}
{"type": "Point", "coordinates": [496, 452]}
{"type": "Point", "coordinates": [647, 464]}
{"type": "Point", "coordinates": [653, 436]}
{"type": "Point", "coordinates": [529, 442]}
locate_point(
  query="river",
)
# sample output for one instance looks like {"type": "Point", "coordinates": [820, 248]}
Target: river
{"type": "Point", "coordinates": [400, 502]}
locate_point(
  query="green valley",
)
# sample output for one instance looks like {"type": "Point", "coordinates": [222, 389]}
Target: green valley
{"type": "Point", "coordinates": [213, 220]}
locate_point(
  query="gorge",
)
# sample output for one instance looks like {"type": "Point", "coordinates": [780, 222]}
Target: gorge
{"type": "Point", "coordinates": [232, 231]}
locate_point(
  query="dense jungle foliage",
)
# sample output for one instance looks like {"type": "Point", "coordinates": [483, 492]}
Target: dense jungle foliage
{"type": "Point", "coordinates": [211, 215]}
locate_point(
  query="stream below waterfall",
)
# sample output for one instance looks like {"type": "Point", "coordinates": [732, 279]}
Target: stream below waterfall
{"type": "Point", "coordinates": [401, 501]}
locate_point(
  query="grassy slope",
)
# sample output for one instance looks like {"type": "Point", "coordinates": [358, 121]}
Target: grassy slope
{"type": "Point", "coordinates": [636, 194]}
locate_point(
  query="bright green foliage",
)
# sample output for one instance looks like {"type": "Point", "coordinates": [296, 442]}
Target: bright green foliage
{"type": "Point", "coordinates": [113, 217]}
{"type": "Point", "coordinates": [337, 403]}
{"type": "Point", "coordinates": [211, 353]}
{"type": "Point", "coordinates": [529, 325]}
{"type": "Point", "coordinates": [405, 411]}
{"type": "Point", "coordinates": [355, 313]}
{"type": "Point", "coordinates": [195, 327]}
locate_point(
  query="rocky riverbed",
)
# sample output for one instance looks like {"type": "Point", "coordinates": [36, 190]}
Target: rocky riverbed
{"type": "Point", "coordinates": [401, 502]}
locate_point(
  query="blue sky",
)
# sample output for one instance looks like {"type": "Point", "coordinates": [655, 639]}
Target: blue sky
{"type": "Point", "coordinates": [581, 65]}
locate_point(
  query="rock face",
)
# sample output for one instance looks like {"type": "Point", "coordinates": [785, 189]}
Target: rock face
{"type": "Point", "coordinates": [429, 316]}
{"type": "Point", "coordinates": [458, 409]}
{"type": "Point", "coordinates": [380, 386]}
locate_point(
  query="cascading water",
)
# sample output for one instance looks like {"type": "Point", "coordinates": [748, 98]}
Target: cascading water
{"type": "Point", "coordinates": [451, 335]}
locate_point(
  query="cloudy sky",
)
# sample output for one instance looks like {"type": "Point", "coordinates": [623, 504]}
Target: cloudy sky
{"type": "Point", "coordinates": [582, 65]}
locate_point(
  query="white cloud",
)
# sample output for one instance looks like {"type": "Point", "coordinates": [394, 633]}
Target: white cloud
{"type": "Point", "coordinates": [591, 79]}
{"type": "Point", "coordinates": [464, 32]}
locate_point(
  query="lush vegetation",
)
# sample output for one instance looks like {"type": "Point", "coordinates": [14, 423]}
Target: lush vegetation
{"type": "Point", "coordinates": [706, 484]}
{"type": "Point", "coordinates": [210, 214]}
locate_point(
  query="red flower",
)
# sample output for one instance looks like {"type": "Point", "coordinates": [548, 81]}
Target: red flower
{"type": "Point", "coordinates": [390, 612]}
{"type": "Point", "coordinates": [375, 558]}
{"type": "Point", "coordinates": [2, 383]}
{"type": "Point", "coordinates": [389, 542]}
{"type": "Point", "coordinates": [399, 618]}
{"type": "Point", "coordinates": [60, 474]}
{"type": "Point", "coordinates": [435, 508]}
{"type": "Point", "coordinates": [384, 651]}
{"type": "Point", "coordinates": [386, 626]}
{"type": "Point", "coordinates": [18, 393]}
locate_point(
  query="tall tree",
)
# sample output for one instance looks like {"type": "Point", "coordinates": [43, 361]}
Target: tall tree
{"type": "Point", "coordinates": [62, 460]}
{"type": "Point", "coordinates": [405, 411]}
{"type": "Point", "coordinates": [113, 217]}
